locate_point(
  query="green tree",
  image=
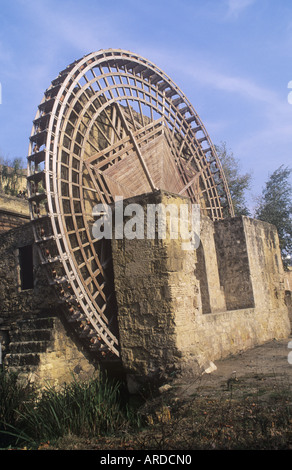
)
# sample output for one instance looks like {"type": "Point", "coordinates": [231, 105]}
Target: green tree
{"type": "Point", "coordinates": [10, 175]}
{"type": "Point", "coordinates": [238, 183]}
{"type": "Point", "coordinates": [275, 207]}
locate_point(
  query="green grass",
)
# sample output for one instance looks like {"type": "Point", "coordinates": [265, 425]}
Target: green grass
{"type": "Point", "coordinates": [13, 398]}
{"type": "Point", "coordinates": [93, 414]}
{"type": "Point", "coordinates": [91, 408]}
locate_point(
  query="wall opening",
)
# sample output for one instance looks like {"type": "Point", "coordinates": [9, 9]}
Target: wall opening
{"type": "Point", "coordinates": [25, 254]}
{"type": "Point", "coordinates": [201, 275]}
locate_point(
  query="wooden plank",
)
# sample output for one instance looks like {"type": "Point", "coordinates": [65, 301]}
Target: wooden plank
{"type": "Point", "coordinates": [192, 181]}
{"type": "Point", "coordinates": [137, 149]}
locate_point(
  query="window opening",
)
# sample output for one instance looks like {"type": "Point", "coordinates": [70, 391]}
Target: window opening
{"type": "Point", "coordinates": [26, 267]}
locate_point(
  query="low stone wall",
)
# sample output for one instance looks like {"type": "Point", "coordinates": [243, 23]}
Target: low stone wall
{"type": "Point", "coordinates": [219, 335]}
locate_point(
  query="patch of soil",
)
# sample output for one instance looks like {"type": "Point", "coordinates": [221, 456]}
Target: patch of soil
{"type": "Point", "coordinates": [246, 403]}
{"type": "Point", "coordinates": [262, 367]}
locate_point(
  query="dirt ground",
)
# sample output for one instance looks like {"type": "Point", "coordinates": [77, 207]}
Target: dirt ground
{"type": "Point", "coordinates": [202, 405]}
{"type": "Point", "coordinates": [262, 367]}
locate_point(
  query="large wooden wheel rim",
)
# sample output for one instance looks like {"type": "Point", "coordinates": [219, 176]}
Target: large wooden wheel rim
{"type": "Point", "coordinates": [111, 124]}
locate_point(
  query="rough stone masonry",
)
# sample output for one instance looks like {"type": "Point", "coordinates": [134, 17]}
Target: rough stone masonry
{"type": "Point", "coordinates": [180, 306]}
{"type": "Point", "coordinates": [176, 307]}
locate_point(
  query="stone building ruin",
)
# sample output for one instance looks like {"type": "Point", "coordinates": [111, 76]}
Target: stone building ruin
{"type": "Point", "coordinates": [114, 127]}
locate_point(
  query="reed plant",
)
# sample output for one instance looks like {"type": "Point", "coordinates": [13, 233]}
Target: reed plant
{"type": "Point", "coordinates": [14, 396]}
{"type": "Point", "coordinates": [92, 408]}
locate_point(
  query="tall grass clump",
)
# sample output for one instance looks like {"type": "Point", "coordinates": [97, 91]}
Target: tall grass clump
{"type": "Point", "coordinates": [14, 396]}
{"type": "Point", "coordinates": [80, 408]}
{"type": "Point", "coordinates": [88, 409]}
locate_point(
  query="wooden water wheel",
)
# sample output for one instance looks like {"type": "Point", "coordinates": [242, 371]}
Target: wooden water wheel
{"type": "Point", "coordinates": [111, 124]}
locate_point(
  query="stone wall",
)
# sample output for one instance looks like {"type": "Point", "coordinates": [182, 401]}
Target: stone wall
{"type": "Point", "coordinates": [18, 303]}
{"type": "Point", "coordinates": [35, 338]}
{"type": "Point", "coordinates": [288, 301]}
{"type": "Point", "coordinates": [233, 263]}
{"type": "Point", "coordinates": [149, 285]}
{"type": "Point", "coordinates": [288, 280]}
{"type": "Point", "coordinates": [64, 358]}
{"type": "Point", "coordinates": [179, 307]}
{"type": "Point", "coordinates": [44, 351]}
{"type": "Point", "coordinates": [265, 264]}
{"type": "Point", "coordinates": [288, 292]}
{"type": "Point", "coordinates": [212, 294]}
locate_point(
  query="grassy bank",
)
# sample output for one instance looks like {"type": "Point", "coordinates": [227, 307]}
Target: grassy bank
{"type": "Point", "coordinates": [251, 413]}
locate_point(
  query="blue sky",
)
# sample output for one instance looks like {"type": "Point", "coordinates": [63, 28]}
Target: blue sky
{"type": "Point", "coordinates": [232, 59]}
